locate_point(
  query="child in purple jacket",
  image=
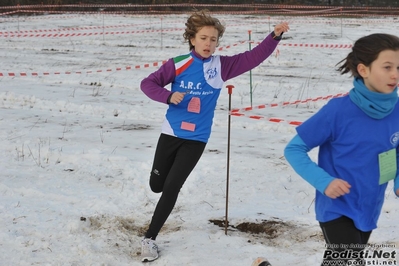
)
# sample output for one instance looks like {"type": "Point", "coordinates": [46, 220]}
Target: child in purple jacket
{"type": "Point", "coordinates": [196, 80]}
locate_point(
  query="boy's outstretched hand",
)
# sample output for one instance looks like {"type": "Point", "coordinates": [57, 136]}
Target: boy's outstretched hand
{"type": "Point", "coordinates": [280, 28]}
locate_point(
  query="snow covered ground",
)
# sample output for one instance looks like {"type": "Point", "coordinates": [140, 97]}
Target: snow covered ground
{"type": "Point", "coordinates": [78, 137]}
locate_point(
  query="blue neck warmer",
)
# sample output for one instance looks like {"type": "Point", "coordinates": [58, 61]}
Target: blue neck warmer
{"type": "Point", "coordinates": [374, 104]}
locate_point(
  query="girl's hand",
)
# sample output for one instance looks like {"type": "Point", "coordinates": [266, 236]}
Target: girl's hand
{"type": "Point", "coordinates": [280, 28]}
{"type": "Point", "coordinates": [397, 192]}
{"type": "Point", "coordinates": [177, 97]}
{"type": "Point", "coordinates": [337, 188]}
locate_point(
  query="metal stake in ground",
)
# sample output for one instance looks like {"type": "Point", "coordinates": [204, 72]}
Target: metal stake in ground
{"type": "Point", "coordinates": [226, 222]}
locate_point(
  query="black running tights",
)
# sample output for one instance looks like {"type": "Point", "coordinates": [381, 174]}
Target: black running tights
{"type": "Point", "coordinates": [342, 237]}
{"type": "Point", "coordinates": [174, 160]}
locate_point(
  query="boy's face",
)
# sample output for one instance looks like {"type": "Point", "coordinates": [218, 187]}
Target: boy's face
{"type": "Point", "coordinates": [383, 74]}
{"type": "Point", "coordinates": [205, 41]}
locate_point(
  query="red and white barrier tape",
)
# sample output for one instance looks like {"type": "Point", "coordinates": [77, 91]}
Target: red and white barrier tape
{"type": "Point", "coordinates": [310, 45]}
{"type": "Point", "coordinates": [24, 74]}
{"type": "Point", "coordinates": [68, 29]}
{"type": "Point", "coordinates": [274, 120]}
{"type": "Point", "coordinates": [35, 74]}
{"type": "Point", "coordinates": [156, 64]}
{"type": "Point", "coordinates": [263, 106]}
{"type": "Point", "coordinates": [53, 35]}
{"type": "Point", "coordinates": [231, 45]}
{"type": "Point", "coordinates": [236, 112]}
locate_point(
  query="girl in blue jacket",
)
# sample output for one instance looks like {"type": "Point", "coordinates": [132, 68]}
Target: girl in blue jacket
{"type": "Point", "coordinates": [358, 137]}
{"type": "Point", "coordinates": [196, 80]}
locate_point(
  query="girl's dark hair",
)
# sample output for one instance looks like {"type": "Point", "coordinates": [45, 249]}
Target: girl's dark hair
{"type": "Point", "coordinates": [199, 20]}
{"type": "Point", "coordinates": [366, 50]}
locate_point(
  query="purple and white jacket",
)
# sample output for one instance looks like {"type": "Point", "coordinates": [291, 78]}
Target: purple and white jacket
{"type": "Point", "coordinates": [201, 79]}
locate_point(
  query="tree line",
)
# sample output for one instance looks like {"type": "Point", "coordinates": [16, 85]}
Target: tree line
{"type": "Point", "coordinates": [381, 3]}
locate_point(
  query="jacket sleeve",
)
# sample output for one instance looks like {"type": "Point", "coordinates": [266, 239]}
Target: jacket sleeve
{"type": "Point", "coordinates": [154, 85]}
{"type": "Point", "coordinates": [296, 153]}
{"type": "Point", "coordinates": [233, 66]}
{"type": "Point", "coordinates": [396, 180]}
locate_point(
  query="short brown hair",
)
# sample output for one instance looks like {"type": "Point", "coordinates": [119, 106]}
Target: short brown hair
{"type": "Point", "coordinates": [197, 21]}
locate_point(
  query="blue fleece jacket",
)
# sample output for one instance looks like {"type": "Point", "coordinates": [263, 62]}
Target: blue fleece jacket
{"type": "Point", "coordinates": [349, 141]}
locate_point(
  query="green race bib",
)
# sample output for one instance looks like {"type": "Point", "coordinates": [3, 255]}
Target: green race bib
{"type": "Point", "coordinates": [388, 165]}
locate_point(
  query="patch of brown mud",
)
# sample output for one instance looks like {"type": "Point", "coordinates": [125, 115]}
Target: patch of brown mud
{"type": "Point", "coordinates": [274, 232]}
